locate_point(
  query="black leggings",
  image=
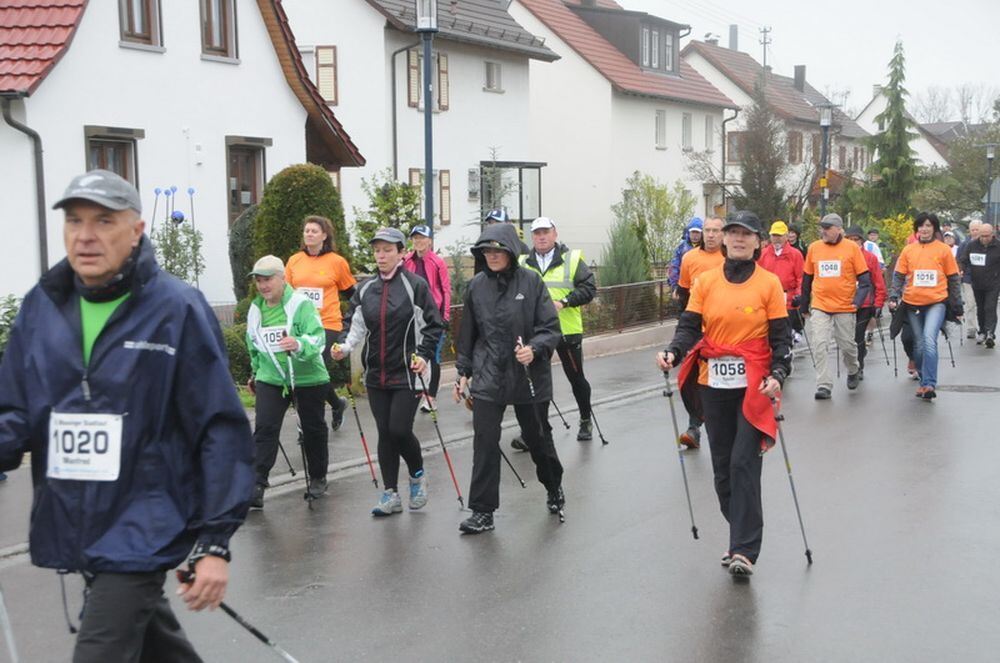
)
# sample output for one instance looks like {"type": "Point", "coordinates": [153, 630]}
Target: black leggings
{"type": "Point", "coordinates": [394, 410]}
{"type": "Point", "coordinates": [570, 350]}
{"type": "Point", "coordinates": [270, 408]}
{"type": "Point", "coordinates": [736, 462]}
{"type": "Point", "coordinates": [331, 397]}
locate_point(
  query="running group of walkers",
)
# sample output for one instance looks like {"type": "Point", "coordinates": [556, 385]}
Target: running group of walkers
{"type": "Point", "coordinates": [116, 380]}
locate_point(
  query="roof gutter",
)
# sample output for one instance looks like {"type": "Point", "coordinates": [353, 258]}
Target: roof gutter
{"type": "Point", "coordinates": [395, 138]}
{"type": "Point", "coordinates": [36, 139]}
{"type": "Point", "coordinates": [725, 158]}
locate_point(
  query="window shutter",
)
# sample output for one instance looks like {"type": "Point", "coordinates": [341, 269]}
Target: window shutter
{"type": "Point", "coordinates": [413, 79]}
{"type": "Point", "coordinates": [444, 184]}
{"type": "Point", "coordinates": [442, 61]}
{"type": "Point", "coordinates": [326, 73]}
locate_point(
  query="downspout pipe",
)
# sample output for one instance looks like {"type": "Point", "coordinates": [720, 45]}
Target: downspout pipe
{"type": "Point", "coordinates": [725, 158]}
{"type": "Point", "coordinates": [395, 138]}
{"type": "Point", "coordinates": [36, 139]}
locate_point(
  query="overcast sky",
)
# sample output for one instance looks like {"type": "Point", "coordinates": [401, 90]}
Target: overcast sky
{"type": "Point", "coordinates": [846, 45]}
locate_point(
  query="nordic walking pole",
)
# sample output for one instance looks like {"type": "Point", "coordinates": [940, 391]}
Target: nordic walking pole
{"type": "Point", "coordinates": [778, 418]}
{"type": "Point", "coordinates": [593, 416]}
{"type": "Point", "coordinates": [669, 393]}
{"type": "Point", "coordinates": [364, 442]}
{"type": "Point", "coordinates": [559, 412]}
{"type": "Point", "coordinates": [538, 420]}
{"type": "Point", "coordinates": [308, 497]}
{"type": "Point", "coordinates": [291, 470]}
{"type": "Point", "coordinates": [447, 457]}
{"type": "Point", "coordinates": [947, 340]}
{"type": "Point", "coordinates": [8, 630]}
{"type": "Point", "coordinates": [187, 577]}
{"type": "Point", "coordinates": [881, 335]}
{"type": "Point", "coordinates": [806, 336]}
{"type": "Point", "coordinates": [895, 366]}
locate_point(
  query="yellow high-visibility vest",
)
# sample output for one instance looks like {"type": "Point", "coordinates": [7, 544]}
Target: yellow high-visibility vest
{"type": "Point", "coordinates": [559, 282]}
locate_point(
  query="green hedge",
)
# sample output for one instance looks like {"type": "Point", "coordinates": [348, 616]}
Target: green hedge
{"type": "Point", "coordinates": [236, 348]}
{"type": "Point", "coordinates": [241, 255]}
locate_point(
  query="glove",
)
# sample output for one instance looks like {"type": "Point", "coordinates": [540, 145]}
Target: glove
{"type": "Point", "coordinates": [797, 301]}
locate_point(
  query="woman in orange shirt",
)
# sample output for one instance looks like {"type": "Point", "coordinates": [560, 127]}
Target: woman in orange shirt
{"type": "Point", "coordinates": [736, 349]}
{"type": "Point", "coordinates": [322, 275]}
{"type": "Point", "coordinates": [926, 279]}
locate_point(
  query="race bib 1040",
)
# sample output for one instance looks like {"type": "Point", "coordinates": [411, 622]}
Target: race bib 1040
{"type": "Point", "coordinates": [315, 295]}
{"type": "Point", "coordinates": [977, 259]}
{"type": "Point", "coordinates": [84, 446]}
{"type": "Point", "coordinates": [925, 278]}
{"type": "Point", "coordinates": [727, 372]}
{"type": "Point", "coordinates": [829, 268]}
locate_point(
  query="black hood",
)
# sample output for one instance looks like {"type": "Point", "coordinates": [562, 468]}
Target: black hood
{"type": "Point", "coordinates": [501, 236]}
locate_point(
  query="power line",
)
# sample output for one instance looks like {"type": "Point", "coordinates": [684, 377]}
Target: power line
{"type": "Point", "coordinates": [765, 41]}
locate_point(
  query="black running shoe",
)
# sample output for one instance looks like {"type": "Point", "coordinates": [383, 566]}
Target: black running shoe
{"type": "Point", "coordinates": [477, 523]}
{"type": "Point", "coordinates": [822, 394]}
{"type": "Point", "coordinates": [317, 488]}
{"type": "Point", "coordinates": [337, 409]}
{"type": "Point", "coordinates": [556, 500]}
{"type": "Point", "coordinates": [518, 443]}
{"type": "Point", "coordinates": [257, 501]}
{"type": "Point", "coordinates": [586, 433]}
{"type": "Point", "coordinates": [991, 341]}
{"type": "Point", "coordinates": [853, 381]}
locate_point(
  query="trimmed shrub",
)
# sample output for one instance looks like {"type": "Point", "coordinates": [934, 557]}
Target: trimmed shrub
{"type": "Point", "coordinates": [239, 356]}
{"type": "Point", "coordinates": [9, 306]}
{"type": "Point", "coordinates": [292, 195]}
{"type": "Point", "coordinates": [241, 255]}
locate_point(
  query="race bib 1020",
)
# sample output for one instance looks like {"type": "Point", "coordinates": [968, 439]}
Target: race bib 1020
{"type": "Point", "coordinates": [84, 446]}
{"type": "Point", "coordinates": [727, 372]}
{"type": "Point", "coordinates": [829, 269]}
{"type": "Point", "coordinates": [925, 278]}
{"type": "Point", "coordinates": [315, 295]}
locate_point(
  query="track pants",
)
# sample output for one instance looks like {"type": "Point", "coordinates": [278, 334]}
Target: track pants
{"type": "Point", "coordinates": [570, 350]}
{"type": "Point", "coordinates": [864, 316]}
{"type": "Point", "coordinates": [839, 326]}
{"type": "Point", "coordinates": [270, 413]}
{"type": "Point", "coordinates": [986, 308]}
{"type": "Point", "coordinates": [394, 411]}
{"type": "Point", "coordinates": [127, 619]}
{"type": "Point", "coordinates": [736, 464]}
{"type": "Point", "coordinates": [484, 493]}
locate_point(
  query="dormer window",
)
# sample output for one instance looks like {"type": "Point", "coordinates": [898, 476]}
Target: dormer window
{"type": "Point", "coordinates": [655, 54]}
{"type": "Point", "coordinates": [657, 48]}
{"type": "Point", "coordinates": [645, 47]}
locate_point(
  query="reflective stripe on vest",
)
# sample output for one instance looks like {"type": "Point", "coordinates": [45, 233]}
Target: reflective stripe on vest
{"type": "Point", "coordinates": [559, 283]}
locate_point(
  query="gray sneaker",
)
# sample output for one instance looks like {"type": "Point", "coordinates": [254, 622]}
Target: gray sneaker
{"type": "Point", "coordinates": [418, 491]}
{"type": "Point", "coordinates": [388, 504]}
{"type": "Point", "coordinates": [316, 488]}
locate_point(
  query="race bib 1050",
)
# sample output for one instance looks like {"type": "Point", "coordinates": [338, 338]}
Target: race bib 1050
{"type": "Point", "coordinates": [727, 372]}
{"type": "Point", "coordinates": [925, 278]}
{"type": "Point", "coordinates": [829, 268]}
{"type": "Point", "coordinates": [84, 446]}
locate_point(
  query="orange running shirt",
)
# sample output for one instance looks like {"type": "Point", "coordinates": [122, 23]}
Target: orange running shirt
{"type": "Point", "coordinates": [697, 261]}
{"type": "Point", "coordinates": [927, 268]}
{"type": "Point", "coordinates": [835, 269]}
{"type": "Point", "coordinates": [733, 313]}
{"type": "Point", "coordinates": [321, 278]}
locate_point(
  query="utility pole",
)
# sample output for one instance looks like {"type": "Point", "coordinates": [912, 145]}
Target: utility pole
{"type": "Point", "coordinates": [765, 41]}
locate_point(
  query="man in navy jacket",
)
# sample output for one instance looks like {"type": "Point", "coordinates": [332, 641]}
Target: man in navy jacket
{"type": "Point", "coordinates": [115, 379]}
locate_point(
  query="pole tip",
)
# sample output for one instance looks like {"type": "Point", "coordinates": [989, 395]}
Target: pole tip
{"type": "Point", "coordinates": [694, 530]}
{"type": "Point", "coordinates": [809, 556]}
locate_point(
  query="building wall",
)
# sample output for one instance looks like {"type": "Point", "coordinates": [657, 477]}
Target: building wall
{"type": "Point", "coordinates": [925, 153]}
{"type": "Point", "coordinates": [476, 121]}
{"type": "Point", "coordinates": [186, 105]}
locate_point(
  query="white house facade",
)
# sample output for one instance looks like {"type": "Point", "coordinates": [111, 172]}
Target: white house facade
{"type": "Point", "coordinates": [360, 51]}
{"type": "Point", "coordinates": [925, 151]}
{"type": "Point", "coordinates": [169, 94]}
{"type": "Point", "coordinates": [619, 100]}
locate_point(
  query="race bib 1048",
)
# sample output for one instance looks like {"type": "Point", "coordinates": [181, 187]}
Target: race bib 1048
{"type": "Point", "coordinates": [829, 268]}
{"type": "Point", "coordinates": [925, 278]}
{"type": "Point", "coordinates": [978, 259]}
{"type": "Point", "coordinates": [84, 446]}
{"type": "Point", "coordinates": [727, 372]}
{"type": "Point", "coordinates": [315, 295]}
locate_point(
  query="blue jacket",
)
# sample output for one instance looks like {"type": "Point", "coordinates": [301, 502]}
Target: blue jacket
{"type": "Point", "coordinates": [186, 450]}
{"type": "Point", "coordinates": [674, 272]}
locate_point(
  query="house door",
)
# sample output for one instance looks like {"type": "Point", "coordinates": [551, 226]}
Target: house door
{"type": "Point", "coordinates": [245, 178]}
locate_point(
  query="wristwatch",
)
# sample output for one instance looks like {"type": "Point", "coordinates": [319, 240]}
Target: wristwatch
{"type": "Point", "coordinates": [202, 550]}
{"type": "Point", "coordinates": [564, 301]}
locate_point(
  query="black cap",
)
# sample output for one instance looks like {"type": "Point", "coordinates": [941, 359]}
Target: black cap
{"type": "Point", "coordinates": [745, 219]}
{"type": "Point", "coordinates": [854, 231]}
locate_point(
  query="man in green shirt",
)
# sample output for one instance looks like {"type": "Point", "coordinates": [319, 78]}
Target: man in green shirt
{"type": "Point", "coordinates": [285, 338]}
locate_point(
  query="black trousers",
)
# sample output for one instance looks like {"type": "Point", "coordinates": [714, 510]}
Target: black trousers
{"type": "Point", "coordinates": [863, 317]}
{"type": "Point", "coordinates": [127, 619]}
{"type": "Point", "coordinates": [331, 397]}
{"type": "Point", "coordinates": [484, 493]}
{"type": "Point", "coordinates": [736, 463]}
{"type": "Point", "coordinates": [270, 412]}
{"type": "Point", "coordinates": [570, 350]}
{"type": "Point", "coordinates": [394, 410]}
{"type": "Point", "coordinates": [986, 308]}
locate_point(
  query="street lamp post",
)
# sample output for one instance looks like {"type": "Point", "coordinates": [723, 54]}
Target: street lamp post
{"type": "Point", "coordinates": [825, 120]}
{"type": "Point", "coordinates": [990, 155]}
{"type": "Point", "coordinates": [427, 25]}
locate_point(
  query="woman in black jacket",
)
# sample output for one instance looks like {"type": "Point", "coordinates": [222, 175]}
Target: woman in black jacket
{"type": "Point", "coordinates": [395, 316]}
{"type": "Point", "coordinates": [509, 330]}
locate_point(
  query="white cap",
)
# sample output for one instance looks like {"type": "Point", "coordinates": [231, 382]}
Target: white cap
{"type": "Point", "coordinates": [541, 223]}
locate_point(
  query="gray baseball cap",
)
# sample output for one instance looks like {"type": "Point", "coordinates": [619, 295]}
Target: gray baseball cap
{"type": "Point", "coordinates": [392, 235]}
{"type": "Point", "coordinates": [104, 188]}
{"type": "Point", "coordinates": [832, 220]}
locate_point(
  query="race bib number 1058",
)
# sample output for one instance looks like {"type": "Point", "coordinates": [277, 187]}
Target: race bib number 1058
{"type": "Point", "coordinates": [727, 373]}
{"type": "Point", "coordinates": [84, 446]}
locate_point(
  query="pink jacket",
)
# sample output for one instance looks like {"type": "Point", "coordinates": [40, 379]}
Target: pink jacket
{"type": "Point", "coordinates": [437, 277]}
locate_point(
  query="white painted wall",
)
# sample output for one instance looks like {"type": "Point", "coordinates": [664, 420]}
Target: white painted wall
{"type": "Point", "coordinates": [925, 153]}
{"type": "Point", "coordinates": [475, 122]}
{"type": "Point", "coordinates": [180, 100]}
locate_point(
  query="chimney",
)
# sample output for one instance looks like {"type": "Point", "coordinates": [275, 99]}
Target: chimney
{"type": "Point", "coordinates": [800, 77]}
{"type": "Point", "coordinates": [876, 90]}
{"type": "Point", "coordinates": [734, 37]}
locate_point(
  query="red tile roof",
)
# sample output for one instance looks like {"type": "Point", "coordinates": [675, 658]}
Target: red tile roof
{"type": "Point", "coordinates": [34, 35]}
{"type": "Point", "coordinates": [623, 74]}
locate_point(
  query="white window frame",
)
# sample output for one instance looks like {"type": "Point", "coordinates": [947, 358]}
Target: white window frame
{"type": "Point", "coordinates": [668, 51]}
{"type": "Point", "coordinates": [660, 140]}
{"type": "Point", "coordinates": [709, 133]}
{"type": "Point", "coordinates": [654, 48]}
{"type": "Point", "coordinates": [687, 120]}
{"type": "Point", "coordinates": [497, 83]}
{"type": "Point", "coordinates": [645, 46]}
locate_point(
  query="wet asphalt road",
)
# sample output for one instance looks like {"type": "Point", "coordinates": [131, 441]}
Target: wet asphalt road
{"type": "Point", "coordinates": [900, 499]}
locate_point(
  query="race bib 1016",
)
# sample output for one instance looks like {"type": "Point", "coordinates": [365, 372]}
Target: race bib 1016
{"type": "Point", "coordinates": [925, 278]}
{"type": "Point", "coordinates": [315, 295]}
{"type": "Point", "coordinates": [84, 446]}
{"type": "Point", "coordinates": [977, 259]}
{"type": "Point", "coordinates": [727, 372]}
{"type": "Point", "coordinates": [271, 336]}
{"type": "Point", "coordinates": [829, 268]}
